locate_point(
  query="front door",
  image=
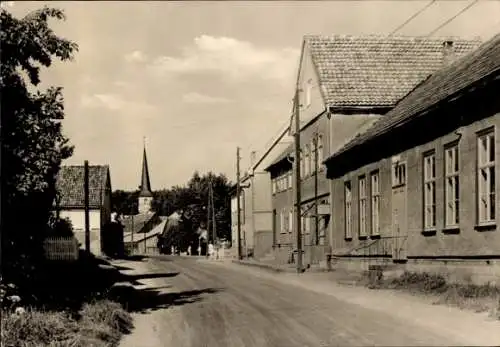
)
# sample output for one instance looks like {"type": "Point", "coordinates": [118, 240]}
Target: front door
{"type": "Point", "coordinates": [399, 211]}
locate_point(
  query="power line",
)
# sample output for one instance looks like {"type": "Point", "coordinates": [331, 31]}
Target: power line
{"type": "Point", "coordinates": [453, 18]}
{"type": "Point", "coordinates": [412, 17]}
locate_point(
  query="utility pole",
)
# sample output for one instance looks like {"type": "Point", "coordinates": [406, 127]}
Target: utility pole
{"type": "Point", "coordinates": [132, 235]}
{"type": "Point", "coordinates": [298, 197]}
{"type": "Point", "coordinates": [316, 207]}
{"type": "Point", "coordinates": [238, 193]}
{"type": "Point", "coordinates": [86, 202]}
{"type": "Point", "coordinates": [214, 224]}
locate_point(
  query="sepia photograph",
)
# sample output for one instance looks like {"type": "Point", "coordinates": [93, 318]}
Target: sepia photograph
{"type": "Point", "coordinates": [250, 173]}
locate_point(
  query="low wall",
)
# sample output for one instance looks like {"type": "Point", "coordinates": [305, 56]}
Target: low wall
{"type": "Point", "coordinates": [477, 272]}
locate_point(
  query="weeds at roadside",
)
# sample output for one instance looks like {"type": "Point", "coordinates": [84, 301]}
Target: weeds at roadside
{"type": "Point", "coordinates": [478, 298]}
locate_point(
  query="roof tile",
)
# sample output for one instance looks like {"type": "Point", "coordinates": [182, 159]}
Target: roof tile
{"type": "Point", "coordinates": [443, 84]}
{"type": "Point", "coordinates": [376, 71]}
{"type": "Point", "coordinates": [70, 185]}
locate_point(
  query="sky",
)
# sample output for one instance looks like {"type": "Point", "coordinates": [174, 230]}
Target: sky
{"type": "Point", "coordinates": [198, 79]}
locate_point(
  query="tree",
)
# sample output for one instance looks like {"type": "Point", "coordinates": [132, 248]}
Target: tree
{"type": "Point", "coordinates": [33, 145]}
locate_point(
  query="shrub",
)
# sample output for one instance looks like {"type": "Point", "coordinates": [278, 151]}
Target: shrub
{"type": "Point", "coordinates": [60, 227]}
{"type": "Point", "coordinates": [36, 328]}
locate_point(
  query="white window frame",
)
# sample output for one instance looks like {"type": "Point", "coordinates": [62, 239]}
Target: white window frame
{"type": "Point", "coordinates": [290, 220]}
{"type": "Point", "coordinates": [302, 164]}
{"type": "Point", "coordinates": [348, 209]}
{"type": "Point", "coordinates": [362, 200]}
{"type": "Point", "coordinates": [274, 185]}
{"type": "Point", "coordinates": [282, 222]}
{"type": "Point", "coordinates": [320, 152]}
{"type": "Point", "coordinates": [429, 186]}
{"type": "Point", "coordinates": [308, 92]}
{"type": "Point", "coordinates": [290, 180]}
{"type": "Point", "coordinates": [452, 185]}
{"type": "Point", "coordinates": [485, 175]}
{"type": "Point", "coordinates": [314, 148]}
{"type": "Point", "coordinates": [307, 159]}
{"type": "Point", "coordinates": [375, 202]}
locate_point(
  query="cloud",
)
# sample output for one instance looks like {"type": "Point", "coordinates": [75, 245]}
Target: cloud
{"type": "Point", "coordinates": [5, 4]}
{"type": "Point", "coordinates": [231, 57]}
{"type": "Point", "coordinates": [136, 57]}
{"type": "Point", "coordinates": [114, 102]}
{"type": "Point", "coordinates": [197, 98]}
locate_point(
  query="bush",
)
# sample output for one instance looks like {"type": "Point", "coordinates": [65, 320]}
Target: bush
{"type": "Point", "coordinates": [99, 324]}
{"type": "Point", "coordinates": [60, 227]}
{"type": "Point", "coordinates": [36, 328]}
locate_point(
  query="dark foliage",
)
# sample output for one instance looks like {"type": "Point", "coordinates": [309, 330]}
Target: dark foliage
{"type": "Point", "coordinates": [33, 145]}
{"type": "Point", "coordinates": [193, 197]}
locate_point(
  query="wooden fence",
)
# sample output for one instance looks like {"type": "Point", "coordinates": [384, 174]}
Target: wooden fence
{"type": "Point", "coordinates": [61, 248]}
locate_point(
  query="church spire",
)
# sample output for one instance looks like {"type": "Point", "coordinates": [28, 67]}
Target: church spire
{"type": "Point", "coordinates": [145, 183]}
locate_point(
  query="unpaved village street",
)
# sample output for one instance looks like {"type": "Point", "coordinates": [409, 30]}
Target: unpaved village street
{"type": "Point", "coordinates": [186, 302]}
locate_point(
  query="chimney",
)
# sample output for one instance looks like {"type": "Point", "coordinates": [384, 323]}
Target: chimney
{"type": "Point", "coordinates": [448, 52]}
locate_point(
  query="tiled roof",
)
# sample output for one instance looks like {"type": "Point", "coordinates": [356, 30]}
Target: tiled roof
{"type": "Point", "coordinates": [70, 185]}
{"type": "Point", "coordinates": [376, 71]}
{"type": "Point", "coordinates": [127, 236]}
{"type": "Point", "coordinates": [445, 83]}
{"type": "Point", "coordinates": [136, 222]}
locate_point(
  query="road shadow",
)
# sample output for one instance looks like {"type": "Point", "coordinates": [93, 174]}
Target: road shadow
{"type": "Point", "coordinates": [134, 279]}
{"type": "Point", "coordinates": [151, 299]}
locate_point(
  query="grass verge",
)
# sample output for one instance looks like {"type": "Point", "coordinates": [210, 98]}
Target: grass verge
{"type": "Point", "coordinates": [100, 323]}
{"type": "Point", "coordinates": [478, 298]}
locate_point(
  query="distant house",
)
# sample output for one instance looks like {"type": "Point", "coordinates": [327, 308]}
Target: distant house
{"type": "Point", "coordinates": [420, 186]}
{"type": "Point", "coordinates": [144, 242]}
{"type": "Point", "coordinates": [345, 84]}
{"type": "Point", "coordinates": [71, 201]}
{"type": "Point", "coordinates": [256, 215]}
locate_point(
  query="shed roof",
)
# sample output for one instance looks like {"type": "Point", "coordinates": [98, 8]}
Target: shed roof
{"type": "Point", "coordinates": [445, 83]}
{"type": "Point", "coordinates": [376, 71]}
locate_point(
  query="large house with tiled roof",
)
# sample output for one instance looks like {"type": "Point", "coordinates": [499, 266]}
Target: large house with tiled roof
{"type": "Point", "coordinates": [345, 84]}
{"type": "Point", "coordinates": [71, 201]}
{"type": "Point", "coordinates": [420, 186]}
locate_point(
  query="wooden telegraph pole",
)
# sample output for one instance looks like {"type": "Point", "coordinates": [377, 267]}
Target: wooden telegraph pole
{"type": "Point", "coordinates": [298, 197]}
{"type": "Point", "coordinates": [316, 207]}
{"type": "Point", "coordinates": [238, 193]}
{"type": "Point", "coordinates": [86, 202]}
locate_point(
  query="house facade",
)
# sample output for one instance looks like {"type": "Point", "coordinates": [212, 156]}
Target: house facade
{"type": "Point", "coordinates": [345, 84]}
{"type": "Point", "coordinates": [419, 187]}
{"type": "Point", "coordinates": [71, 201]}
{"type": "Point", "coordinates": [256, 216]}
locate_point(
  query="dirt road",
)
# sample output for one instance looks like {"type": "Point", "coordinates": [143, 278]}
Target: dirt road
{"type": "Point", "coordinates": [183, 302]}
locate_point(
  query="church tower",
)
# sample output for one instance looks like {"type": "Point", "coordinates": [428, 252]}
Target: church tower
{"type": "Point", "coordinates": [145, 194]}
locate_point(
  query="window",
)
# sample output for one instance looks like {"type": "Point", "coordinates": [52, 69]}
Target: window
{"type": "Point", "coordinates": [283, 226]}
{"type": "Point", "coordinates": [308, 93]}
{"type": "Point", "coordinates": [486, 177]}
{"type": "Point", "coordinates": [242, 208]}
{"type": "Point", "coordinates": [452, 186]}
{"type": "Point", "coordinates": [275, 185]}
{"type": "Point", "coordinates": [302, 163]}
{"type": "Point", "coordinates": [290, 180]}
{"type": "Point", "coordinates": [320, 152]}
{"type": "Point", "coordinates": [347, 207]}
{"type": "Point", "coordinates": [306, 225]}
{"type": "Point", "coordinates": [307, 159]}
{"type": "Point", "coordinates": [430, 191]}
{"type": "Point", "coordinates": [290, 220]}
{"type": "Point", "coordinates": [314, 148]}
{"type": "Point", "coordinates": [375, 190]}
{"type": "Point", "coordinates": [398, 174]}
{"type": "Point", "coordinates": [362, 206]}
